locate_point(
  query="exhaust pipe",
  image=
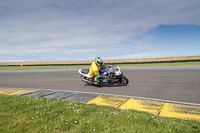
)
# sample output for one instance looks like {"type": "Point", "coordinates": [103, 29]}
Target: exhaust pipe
{"type": "Point", "coordinates": [87, 81]}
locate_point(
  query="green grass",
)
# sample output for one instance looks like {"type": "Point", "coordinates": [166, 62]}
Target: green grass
{"type": "Point", "coordinates": [42, 67]}
{"type": "Point", "coordinates": [161, 64]}
{"type": "Point", "coordinates": [87, 66]}
{"type": "Point", "coordinates": [35, 115]}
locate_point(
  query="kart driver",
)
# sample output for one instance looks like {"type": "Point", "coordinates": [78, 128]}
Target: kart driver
{"type": "Point", "coordinates": [94, 69]}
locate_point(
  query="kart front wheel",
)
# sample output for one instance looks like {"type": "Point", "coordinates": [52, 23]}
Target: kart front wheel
{"type": "Point", "coordinates": [124, 81]}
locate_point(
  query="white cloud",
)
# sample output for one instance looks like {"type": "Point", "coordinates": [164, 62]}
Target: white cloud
{"type": "Point", "coordinates": [88, 27]}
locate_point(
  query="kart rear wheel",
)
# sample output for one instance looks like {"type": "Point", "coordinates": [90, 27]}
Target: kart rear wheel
{"type": "Point", "coordinates": [124, 81]}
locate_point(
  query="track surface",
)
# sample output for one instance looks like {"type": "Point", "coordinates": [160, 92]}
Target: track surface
{"type": "Point", "coordinates": [167, 83]}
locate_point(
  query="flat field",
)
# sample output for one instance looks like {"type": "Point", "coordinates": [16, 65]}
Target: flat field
{"type": "Point", "coordinates": [107, 61]}
{"type": "Point", "coordinates": [87, 66]}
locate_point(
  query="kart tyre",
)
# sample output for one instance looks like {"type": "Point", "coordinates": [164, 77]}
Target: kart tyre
{"type": "Point", "coordinates": [124, 81]}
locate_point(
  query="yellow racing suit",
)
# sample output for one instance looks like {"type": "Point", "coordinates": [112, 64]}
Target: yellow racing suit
{"type": "Point", "coordinates": [94, 70]}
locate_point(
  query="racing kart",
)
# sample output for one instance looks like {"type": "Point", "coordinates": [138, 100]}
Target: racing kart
{"type": "Point", "coordinates": [108, 76]}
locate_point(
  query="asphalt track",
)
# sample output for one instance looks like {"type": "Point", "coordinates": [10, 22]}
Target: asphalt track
{"type": "Point", "coordinates": [180, 83]}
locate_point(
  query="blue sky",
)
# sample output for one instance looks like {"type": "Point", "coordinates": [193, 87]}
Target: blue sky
{"type": "Point", "coordinates": [70, 30]}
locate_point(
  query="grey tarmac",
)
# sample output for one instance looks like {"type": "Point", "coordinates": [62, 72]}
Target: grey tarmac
{"type": "Point", "coordinates": [179, 83]}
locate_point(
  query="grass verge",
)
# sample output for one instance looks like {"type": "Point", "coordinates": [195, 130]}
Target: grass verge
{"type": "Point", "coordinates": [34, 115]}
{"type": "Point", "coordinates": [42, 67]}
{"type": "Point", "coordinates": [87, 66]}
{"type": "Point", "coordinates": [161, 64]}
